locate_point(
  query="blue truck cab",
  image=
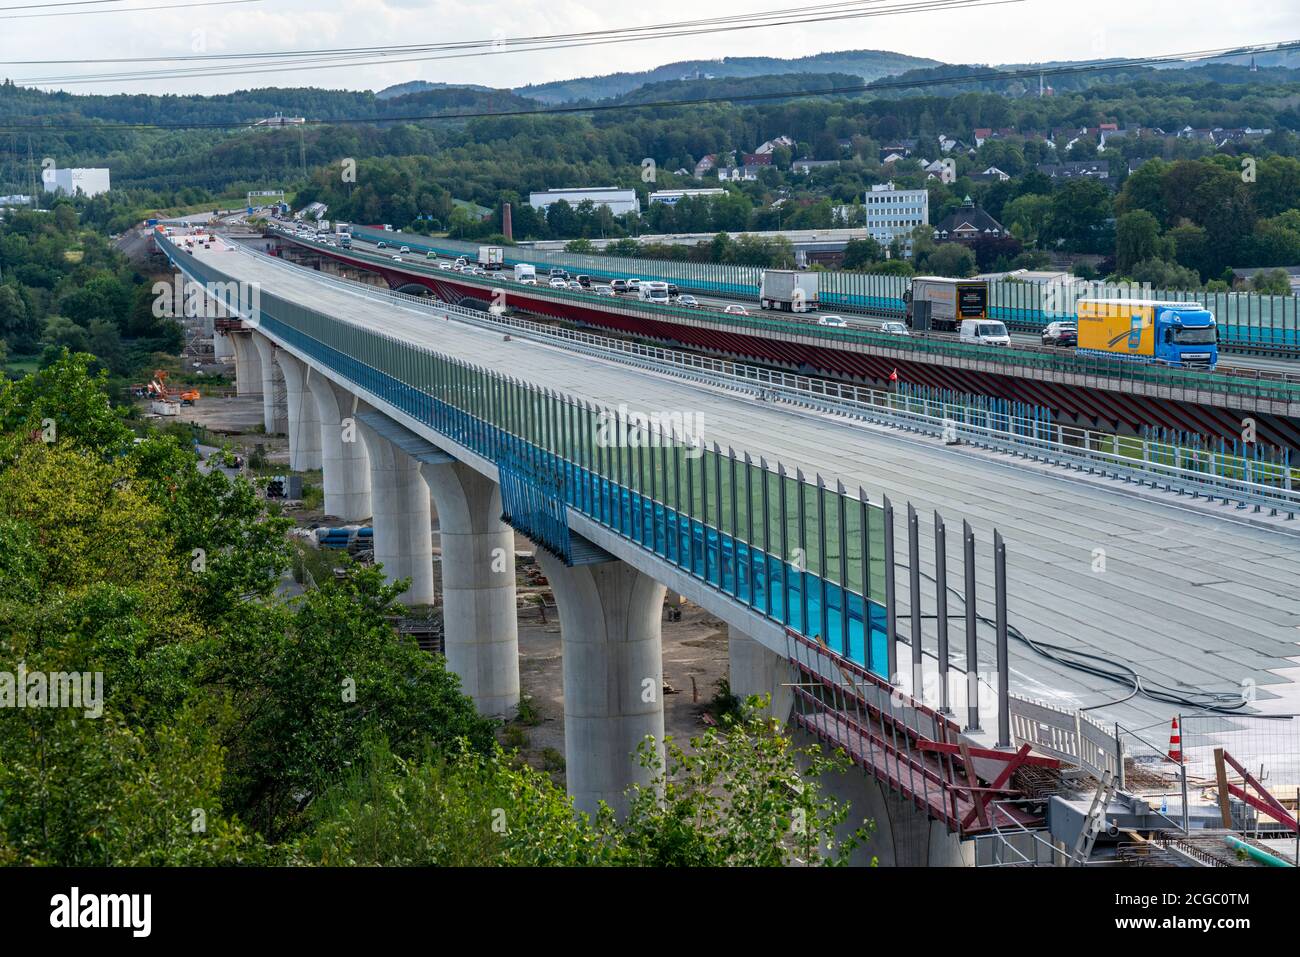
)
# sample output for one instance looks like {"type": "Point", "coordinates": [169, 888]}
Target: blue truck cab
{"type": "Point", "coordinates": [1186, 335]}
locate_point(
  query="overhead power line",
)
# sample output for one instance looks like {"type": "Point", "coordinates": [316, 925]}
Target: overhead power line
{"type": "Point", "coordinates": [117, 10]}
{"type": "Point", "coordinates": [983, 75]}
{"type": "Point", "coordinates": [386, 55]}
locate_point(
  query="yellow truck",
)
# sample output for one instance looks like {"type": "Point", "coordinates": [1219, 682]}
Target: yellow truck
{"type": "Point", "coordinates": [1151, 330]}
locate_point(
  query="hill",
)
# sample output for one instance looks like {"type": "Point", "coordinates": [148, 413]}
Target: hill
{"type": "Point", "coordinates": [864, 64]}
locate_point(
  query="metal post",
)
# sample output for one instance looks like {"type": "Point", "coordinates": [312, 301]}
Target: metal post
{"type": "Point", "coordinates": [1004, 681]}
{"type": "Point", "coordinates": [972, 638]}
{"type": "Point", "coordinates": [891, 630]}
{"type": "Point", "coordinates": [914, 597]}
{"type": "Point", "coordinates": [1182, 773]}
{"type": "Point", "coordinates": [941, 603]}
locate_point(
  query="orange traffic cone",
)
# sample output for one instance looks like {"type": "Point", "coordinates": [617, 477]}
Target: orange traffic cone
{"type": "Point", "coordinates": [1175, 742]}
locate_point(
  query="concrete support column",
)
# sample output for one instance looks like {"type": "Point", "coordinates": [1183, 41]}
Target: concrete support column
{"type": "Point", "coordinates": [275, 413]}
{"type": "Point", "coordinates": [400, 496]}
{"type": "Point", "coordinates": [248, 366]}
{"type": "Point", "coordinates": [756, 670]}
{"type": "Point", "coordinates": [303, 419]}
{"type": "Point", "coordinates": [223, 346]}
{"type": "Point", "coordinates": [480, 619]}
{"type": "Point", "coordinates": [610, 618]}
{"type": "Point", "coordinates": [343, 452]}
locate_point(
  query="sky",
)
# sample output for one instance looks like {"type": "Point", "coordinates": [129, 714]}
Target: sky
{"type": "Point", "coordinates": [1014, 32]}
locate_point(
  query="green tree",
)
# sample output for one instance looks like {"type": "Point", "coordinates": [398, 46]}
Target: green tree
{"type": "Point", "coordinates": [951, 259]}
{"type": "Point", "coordinates": [1137, 237]}
{"type": "Point", "coordinates": [862, 252]}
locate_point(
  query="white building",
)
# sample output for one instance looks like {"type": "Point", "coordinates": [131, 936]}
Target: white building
{"type": "Point", "coordinates": [892, 213]}
{"type": "Point", "coordinates": [89, 182]}
{"type": "Point", "coordinates": [669, 197]}
{"type": "Point", "coordinates": [618, 200]}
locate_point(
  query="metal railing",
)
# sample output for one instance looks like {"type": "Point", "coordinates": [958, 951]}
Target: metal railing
{"type": "Point", "coordinates": [1192, 473]}
{"type": "Point", "coordinates": [1264, 323]}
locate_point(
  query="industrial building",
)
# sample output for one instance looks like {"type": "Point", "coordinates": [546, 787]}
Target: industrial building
{"type": "Point", "coordinates": [618, 200]}
{"type": "Point", "coordinates": [88, 182]}
{"type": "Point", "coordinates": [669, 197]}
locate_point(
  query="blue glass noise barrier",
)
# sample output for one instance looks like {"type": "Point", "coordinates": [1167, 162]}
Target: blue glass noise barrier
{"type": "Point", "coordinates": [795, 598]}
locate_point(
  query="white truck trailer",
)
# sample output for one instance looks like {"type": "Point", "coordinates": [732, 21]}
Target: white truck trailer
{"type": "Point", "coordinates": [788, 290]}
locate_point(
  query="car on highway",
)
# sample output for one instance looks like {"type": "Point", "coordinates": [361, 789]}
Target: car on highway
{"type": "Point", "coordinates": [444, 264]}
{"type": "Point", "coordinates": [673, 291]}
{"type": "Point", "coordinates": [688, 300]}
{"type": "Point", "coordinates": [1060, 334]}
{"type": "Point", "coordinates": [605, 291]}
{"type": "Point", "coordinates": [836, 321]}
{"type": "Point", "coordinates": [381, 244]}
{"type": "Point", "coordinates": [895, 328]}
{"type": "Point", "coordinates": [575, 286]}
{"type": "Point", "coordinates": [397, 259]}
{"type": "Point", "coordinates": [528, 281]}
{"type": "Point", "coordinates": [555, 282]}
{"type": "Point", "coordinates": [430, 255]}
{"type": "Point", "coordinates": [633, 285]}
{"type": "Point", "coordinates": [734, 310]}
{"type": "Point", "coordinates": [986, 332]}
{"type": "Point", "coordinates": [404, 250]}
{"type": "Point", "coordinates": [618, 285]}
{"type": "Point", "coordinates": [584, 282]}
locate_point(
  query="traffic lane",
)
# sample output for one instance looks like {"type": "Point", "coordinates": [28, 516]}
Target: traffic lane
{"type": "Point", "coordinates": [1024, 341]}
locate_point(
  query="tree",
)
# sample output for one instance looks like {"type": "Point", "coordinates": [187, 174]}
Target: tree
{"type": "Point", "coordinates": [15, 326]}
{"type": "Point", "coordinates": [580, 246]}
{"type": "Point", "coordinates": [1137, 237]}
{"type": "Point", "coordinates": [862, 252]}
{"type": "Point", "coordinates": [736, 798]}
{"type": "Point", "coordinates": [1271, 282]}
{"type": "Point", "coordinates": [951, 259]}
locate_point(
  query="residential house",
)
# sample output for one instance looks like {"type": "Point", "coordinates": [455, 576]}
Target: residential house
{"type": "Point", "coordinates": [705, 165]}
{"type": "Point", "coordinates": [805, 166]}
{"type": "Point", "coordinates": [772, 145]}
{"type": "Point", "coordinates": [967, 224]}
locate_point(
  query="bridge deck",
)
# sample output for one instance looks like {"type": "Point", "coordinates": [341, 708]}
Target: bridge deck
{"type": "Point", "coordinates": [1190, 600]}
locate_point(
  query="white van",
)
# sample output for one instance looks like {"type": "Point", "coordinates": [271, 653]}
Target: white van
{"type": "Point", "coordinates": [987, 332]}
{"type": "Point", "coordinates": [653, 291]}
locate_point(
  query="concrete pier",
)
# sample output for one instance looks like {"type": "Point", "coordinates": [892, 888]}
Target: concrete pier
{"type": "Point", "coordinates": [343, 452]}
{"type": "Point", "coordinates": [756, 670]}
{"type": "Point", "coordinates": [480, 619]}
{"type": "Point", "coordinates": [400, 499]}
{"type": "Point", "coordinates": [248, 365]}
{"type": "Point", "coordinates": [610, 630]}
{"type": "Point", "coordinates": [275, 412]}
{"type": "Point", "coordinates": [303, 420]}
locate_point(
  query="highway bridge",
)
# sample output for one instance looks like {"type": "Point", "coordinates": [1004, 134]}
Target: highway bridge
{"type": "Point", "coordinates": [1078, 390]}
{"type": "Point", "coordinates": [814, 533]}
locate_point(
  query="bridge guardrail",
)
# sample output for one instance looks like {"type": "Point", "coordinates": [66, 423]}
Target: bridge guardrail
{"type": "Point", "coordinates": [1024, 438]}
{"type": "Point", "coordinates": [1252, 321]}
{"type": "Point", "coordinates": [1242, 383]}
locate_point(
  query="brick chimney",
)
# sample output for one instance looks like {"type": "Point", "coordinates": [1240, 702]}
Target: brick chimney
{"type": "Point", "coordinates": [507, 228]}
